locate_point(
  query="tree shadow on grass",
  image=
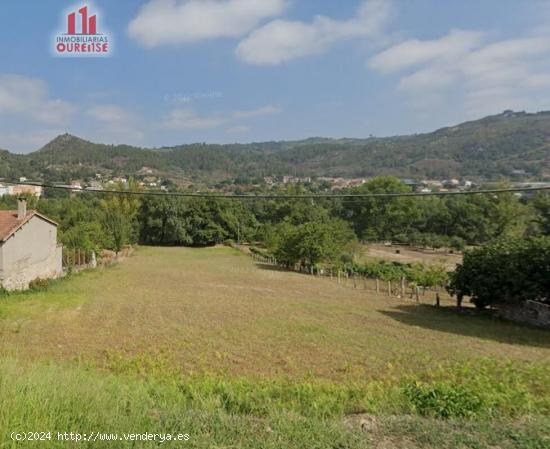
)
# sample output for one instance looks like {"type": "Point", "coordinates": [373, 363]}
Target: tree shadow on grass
{"type": "Point", "coordinates": [469, 324]}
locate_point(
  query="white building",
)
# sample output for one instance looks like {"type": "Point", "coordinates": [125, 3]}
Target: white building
{"type": "Point", "coordinates": [5, 190]}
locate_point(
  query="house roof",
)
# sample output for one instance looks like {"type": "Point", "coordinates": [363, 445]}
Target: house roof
{"type": "Point", "coordinates": [9, 224]}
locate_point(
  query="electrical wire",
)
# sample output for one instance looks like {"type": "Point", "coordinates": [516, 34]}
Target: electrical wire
{"type": "Point", "coordinates": [281, 196]}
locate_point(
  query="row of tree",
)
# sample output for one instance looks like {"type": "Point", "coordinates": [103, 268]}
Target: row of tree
{"type": "Point", "coordinates": [309, 233]}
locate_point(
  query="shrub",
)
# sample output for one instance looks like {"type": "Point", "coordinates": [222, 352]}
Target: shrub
{"type": "Point", "coordinates": [505, 271]}
{"type": "Point", "coordinates": [442, 400]}
{"type": "Point", "coordinates": [457, 243]}
{"type": "Point", "coordinates": [39, 284]}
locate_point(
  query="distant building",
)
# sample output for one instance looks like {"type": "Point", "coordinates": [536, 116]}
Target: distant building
{"type": "Point", "coordinates": [433, 183]}
{"type": "Point", "coordinates": [94, 185]}
{"type": "Point", "coordinates": [296, 180]}
{"type": "Point", "coordinates": [411, 182]}
{"type": "Point", "coordinates": [145, 171]}
{"type": "Point", "coordinates": [28, 248]}
{"type": "Point", "coordinates": [451, 183]}
{"type": "Point", "coordinates": [27, 190]}
{"type": "Point", "coordinates": [343, 183]}
{"type": "Point", "coordinates": [5, 190]}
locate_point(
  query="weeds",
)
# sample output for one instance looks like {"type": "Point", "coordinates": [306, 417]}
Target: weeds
{"type": "Point", "coordinates": [443, 400]}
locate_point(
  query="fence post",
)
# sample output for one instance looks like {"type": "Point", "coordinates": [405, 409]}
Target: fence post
{"type": "Point", "coordinates": [389, 288]}
{"type": "Point", "coordinates": [365, 282]}
{"type": "Point", "coordinates": [354, 281]}
{"type": "Point", "coordinates": [377, 285]}
{"type": "Point", "coordinates": [339, 276]}
{"type": "Point", "coordinates": [402, 286]}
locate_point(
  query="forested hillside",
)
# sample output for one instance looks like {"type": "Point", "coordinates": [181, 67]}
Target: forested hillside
{"type": "Point", "coordinates": [511, 144]}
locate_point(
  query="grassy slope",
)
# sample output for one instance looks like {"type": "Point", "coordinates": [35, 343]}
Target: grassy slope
{"type": "Point", "coordinates": [204, 342]}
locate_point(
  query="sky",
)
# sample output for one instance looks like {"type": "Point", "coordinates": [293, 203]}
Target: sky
{"type": "Point", "coordinates": [224, 71]}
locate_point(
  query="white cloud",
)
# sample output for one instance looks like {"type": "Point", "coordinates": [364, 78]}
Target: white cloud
{"type": "Point", "coordinates": [414, 52]}
{"type": "Point", "coordinates": [485, 76]}
{"type": "Point", "coordinates": [260, 112]}
{"type": "Point", "coordinates": [176, 21]}
{"type": "Point", "coordinates": [180, 119]}
{"type": "Point", "coordinates": [281, 41]}
{"type": "Point", "coordinates": [187, 119]}
{"type": "Point", "coordinates": [29, 98]}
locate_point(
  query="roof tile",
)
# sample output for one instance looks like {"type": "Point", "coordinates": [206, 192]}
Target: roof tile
{"type": "Point", "coordinates": [9, 222]}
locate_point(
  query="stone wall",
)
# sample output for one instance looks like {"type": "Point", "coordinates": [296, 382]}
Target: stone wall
{"type": "Point", "coordinates": [530, 312]}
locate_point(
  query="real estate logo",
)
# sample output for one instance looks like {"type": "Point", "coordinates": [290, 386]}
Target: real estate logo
{"type": "Point", "coordinates": [82, 37]}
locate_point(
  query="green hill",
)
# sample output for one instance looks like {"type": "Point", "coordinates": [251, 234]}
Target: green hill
{"type": "Point", "coordinates": [511, 144]}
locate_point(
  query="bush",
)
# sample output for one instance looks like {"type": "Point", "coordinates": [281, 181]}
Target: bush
{"type": "Point", "coordinates": [505, 271]}
{"type": "Point", "coordinates": [442, 400]}
{"type": "Point", "coordinates": [457, 243]}
{"type": "Point", "coordinates": [387, 271]}
{"type": "Point", "coordinates": [39, 284]}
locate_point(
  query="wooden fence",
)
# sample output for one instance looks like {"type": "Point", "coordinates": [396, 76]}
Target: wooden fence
{"type": "Point", "coordinates": [76, 258]}
{"type": "Point", "coordinates": [400, 289]}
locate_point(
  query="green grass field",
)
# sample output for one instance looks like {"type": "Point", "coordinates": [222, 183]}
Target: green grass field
{"type": "Point", "coordinates": [204, 342]}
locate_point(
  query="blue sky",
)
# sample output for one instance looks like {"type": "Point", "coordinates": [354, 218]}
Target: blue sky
{"type": "Point", "coordinates": [254, 70]}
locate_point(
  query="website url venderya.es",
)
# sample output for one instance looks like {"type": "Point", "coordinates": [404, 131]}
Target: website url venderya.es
{"type": "Point", "coordinates": [99, 436]}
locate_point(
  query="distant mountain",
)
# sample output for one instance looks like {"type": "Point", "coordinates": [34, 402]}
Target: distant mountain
{"type": "Point", "coordinates": [505, 145]}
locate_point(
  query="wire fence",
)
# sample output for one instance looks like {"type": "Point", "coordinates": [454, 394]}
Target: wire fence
{"type": "Point", "coordinates": [402, 289]}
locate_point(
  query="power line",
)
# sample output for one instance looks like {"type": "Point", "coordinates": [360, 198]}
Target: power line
{"type": "Point", "coordinates": [282, 196]}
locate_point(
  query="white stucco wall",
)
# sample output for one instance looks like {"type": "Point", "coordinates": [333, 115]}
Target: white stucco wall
{"type": "Point", "coordinates": [31, 253]}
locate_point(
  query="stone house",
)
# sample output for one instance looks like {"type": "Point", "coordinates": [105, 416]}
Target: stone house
{"type": "Point", "coordinates": [28, 248]}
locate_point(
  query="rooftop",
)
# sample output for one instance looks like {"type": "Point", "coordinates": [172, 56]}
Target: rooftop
{"type": "Point", "coordinates": [10, 224]}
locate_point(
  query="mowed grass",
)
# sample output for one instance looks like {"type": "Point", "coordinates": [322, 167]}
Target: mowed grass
{"type": "Point", "coordinates": [204, 341]}
{"type": "Point", "coordinates": [214, 310]}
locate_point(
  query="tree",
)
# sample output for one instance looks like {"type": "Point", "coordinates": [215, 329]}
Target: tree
{"type": "Point", "coordinates": [313, 243]}
{"type": "Point", "coordinates": [541, 205]}
{"type": "Point", "coordinates": [85, 236]}
{"type": "Point", "coordinates": [507, 270]}
{"type": "Point", "coordinates": [194, 221]}
{"type": "Point", "coordinates": [120, 217]}
{"type": "Point", "coordinates": [382, 218]}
